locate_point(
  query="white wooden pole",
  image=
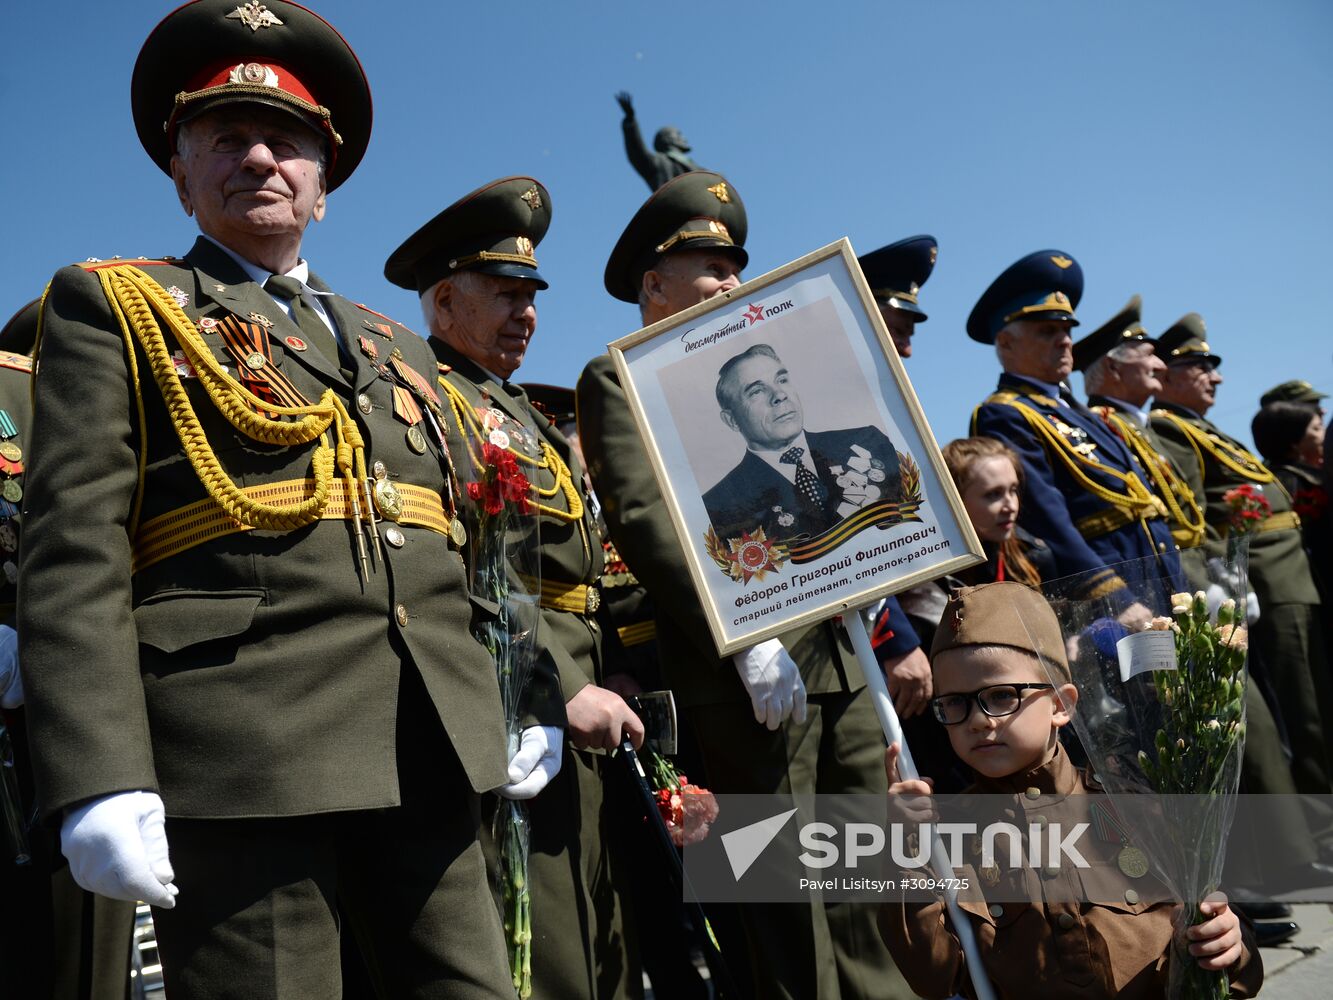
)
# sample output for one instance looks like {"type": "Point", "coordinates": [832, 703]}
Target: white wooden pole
{"type": "Point", "coordinates": [893, 733]}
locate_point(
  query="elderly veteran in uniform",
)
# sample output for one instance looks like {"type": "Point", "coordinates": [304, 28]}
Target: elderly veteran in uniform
{"type": "Point", "coordinates": [1085, 494]}
{"type": "Point", "coordinates": [788, 716]}
{"type": "Point", "coordinates": [1288, 638]}
{"type": "Point", "coordinates": [57, 941]}
{"type": "Point", "coordinates": [1121, 374]}
{"type": "Point", "coordinates": [262, 711]}
{"type": "Point", "coordinates": [895, 274]}
{"type": "Point", "coordinates": [473, 266]}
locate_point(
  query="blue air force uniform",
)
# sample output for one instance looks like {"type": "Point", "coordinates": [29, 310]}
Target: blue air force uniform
{"type": "Point", "coordinates": [1084, 493]}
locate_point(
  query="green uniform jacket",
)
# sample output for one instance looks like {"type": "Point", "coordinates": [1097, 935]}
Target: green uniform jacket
{"type": "Point", "coordinates": [255, 674]}
{"type": "Point", "coordinates": [570, 552]}
{"type": "Point", "coordinates": [1279, 569]}
{"type": "Point", "coordinates": [638, 520]}
{"type": "Point", "coordinates": [15, 395]}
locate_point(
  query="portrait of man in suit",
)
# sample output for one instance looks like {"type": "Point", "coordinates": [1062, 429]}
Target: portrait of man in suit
{"type": "Point", "coordinates": [792, 482]}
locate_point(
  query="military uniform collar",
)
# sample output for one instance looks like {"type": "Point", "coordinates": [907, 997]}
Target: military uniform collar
{"type": "Point", "coordinates": [1184, 411]}
{"type": "Point", "coordinates": [1306, 473]}
{"type": "Point", "coordinates": [509, 395]}
{"type": "Point", "coordinates": [1140, 416]}
{"type": "Point", "coordinates": [222, 279]}
{"type": "Point", "coordinates": [260, 275]}
{"type": "Point", "coordinates": [1024, 386]}
{"type": "Point", "coordinates": [1057, 777]}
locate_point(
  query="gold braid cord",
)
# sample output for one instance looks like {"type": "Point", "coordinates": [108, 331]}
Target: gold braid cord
{"type": "Point", "coordinates": [1136, 500]}
{"type": "Point", "coordinates": [1179, 498]}
{"type": "Point", "coordinates": [142, 307]}
{"type": "Point", "coordinates": [1231, 456]}
{"type": "Point", "coordinates": [469, 425]}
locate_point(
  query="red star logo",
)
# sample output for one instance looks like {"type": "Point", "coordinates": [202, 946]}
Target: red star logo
{"type": "Point", "coordinates": [754, 314]}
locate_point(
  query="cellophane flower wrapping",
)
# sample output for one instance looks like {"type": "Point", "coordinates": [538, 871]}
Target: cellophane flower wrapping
{"type": "Point", "coordinates": [504, 566]}
{"type": "Point", "coordinates": [1165, 743]}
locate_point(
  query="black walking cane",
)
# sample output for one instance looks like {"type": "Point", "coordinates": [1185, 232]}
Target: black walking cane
{"type": "Point", "coordinates": [657, 710]}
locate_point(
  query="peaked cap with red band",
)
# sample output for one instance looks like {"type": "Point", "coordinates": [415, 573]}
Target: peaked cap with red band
{"type": "Point", "coordinates": [213, 52]}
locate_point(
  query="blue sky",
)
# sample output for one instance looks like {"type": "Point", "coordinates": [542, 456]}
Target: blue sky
{"type": "Point", "coordinates": [1182, 151]}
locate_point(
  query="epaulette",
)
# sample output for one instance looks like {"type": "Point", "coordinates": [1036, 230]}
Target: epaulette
{"type": "Point", "coordinates": [1001, 396]}
{"type": "Point", "coordinates": [18, 362]}
{"type": "Point", "coordinates": [97, 264]}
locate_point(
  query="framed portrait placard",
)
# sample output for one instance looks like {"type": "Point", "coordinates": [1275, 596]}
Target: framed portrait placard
{"type": "Point", "coordinates": [797, 465]}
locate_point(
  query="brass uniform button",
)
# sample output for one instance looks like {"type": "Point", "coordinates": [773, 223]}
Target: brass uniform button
{"type": "Point", "coordinates": [1066, 921]}
{"type": "Point", "coordinates": [1033, 793]}
{"type": "Point", "coordinates": [394, 536]}
{"type": "Point", "coordinates": [364, 404]}
{"type": "Point", "coordinates": [400, 614]}
{"type": "Point", "coordinates": [1050, 872]}
{"type": "Point", "coordinates": [1131, 896]}
{"type": "Point", "coordinates": [379, 470]}
{"type": "Point", "coordinates": [996, 911]}
{"type": "Point", "coordinates": [1039, 821]}
{"type": "Point", "coordinates": [593, 600]}
{"type": "Point", "coordinates": [388, 501]}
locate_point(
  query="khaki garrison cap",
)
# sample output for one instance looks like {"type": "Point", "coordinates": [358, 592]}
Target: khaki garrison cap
{"type": "Point", "coordinates": [1002, 614]}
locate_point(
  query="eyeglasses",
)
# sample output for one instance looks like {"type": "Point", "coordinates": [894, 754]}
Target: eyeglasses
{"type": "Point", "coordinates": [997, 701]}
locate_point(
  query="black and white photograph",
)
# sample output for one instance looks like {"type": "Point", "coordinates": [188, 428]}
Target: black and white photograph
{"type": "Point", "coordinates": [795, 458]}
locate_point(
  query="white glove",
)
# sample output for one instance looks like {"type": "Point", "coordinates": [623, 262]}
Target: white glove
{"type": "Point", "coordinates": [117, 847]}
{"type": "Point", "coordinates": [774, 682]}
{"type": "Point", "coordinates": [537, 761]}
{"type": "Point", "coordinates": [11, 681]}
{"type": "Point", "coordinates": [1215, 595]}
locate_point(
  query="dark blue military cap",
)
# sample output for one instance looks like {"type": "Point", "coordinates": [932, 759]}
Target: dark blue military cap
{"type": "Point", "coordinates": [1183, 342]}
{"type": "Point", "coordinates": [1122, 328]}
{"type": "Point", "coordinates": [895, 273]}
{"type": "Point", "coordinates": [1043, 285]}
{"type": "Point", "coordinates": [495, 230]}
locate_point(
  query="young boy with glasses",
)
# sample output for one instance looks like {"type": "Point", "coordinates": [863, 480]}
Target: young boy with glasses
{"type": "Point", "coordinates": [993, 659]}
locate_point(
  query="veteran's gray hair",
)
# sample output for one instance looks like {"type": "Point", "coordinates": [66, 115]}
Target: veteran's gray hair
{"type": "Point", "coordinates": [464, 281]}
{"type": "Point", "coordinates": [1097, 374]}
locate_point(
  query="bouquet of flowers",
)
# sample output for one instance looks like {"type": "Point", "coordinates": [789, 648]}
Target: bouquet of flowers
{"type": "Point", "coordinates": [505, 573]}
{"type": "Point", "coordinates": [1162, 718]}
{"type": "Point", "coordinates": [1249, 508]}
{"type": "Point", "coordinates": [687, 810]}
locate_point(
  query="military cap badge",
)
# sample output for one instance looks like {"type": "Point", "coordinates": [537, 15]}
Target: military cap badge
{"type": "Point", "coordinates": [254, 15]}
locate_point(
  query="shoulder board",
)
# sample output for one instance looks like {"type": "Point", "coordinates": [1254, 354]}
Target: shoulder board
{"type": "Point", "coordinates": [388, 319]}
{"type": "Point", "coordinates": [18, 362]}
{"type": "Point", "coordinates": [1003, 396]}
{"type": "Point", "coordinates": [96, 264]}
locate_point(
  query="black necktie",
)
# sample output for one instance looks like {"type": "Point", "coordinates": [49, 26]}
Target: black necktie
{"type": "Point", "coordinates": [315, 329]}
{"type": "Point", "coordinates": [807, 484]}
